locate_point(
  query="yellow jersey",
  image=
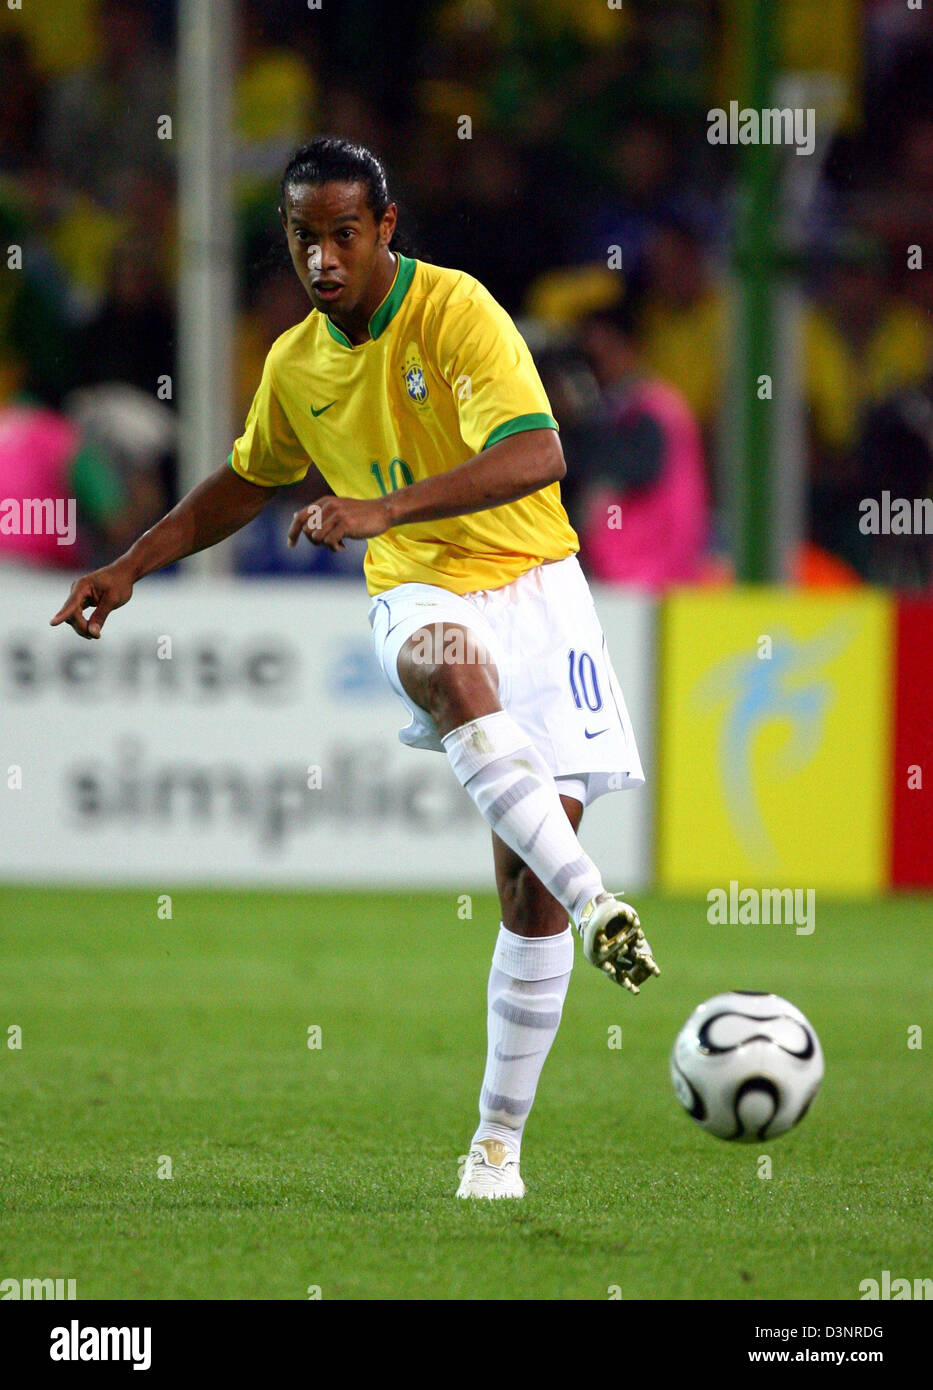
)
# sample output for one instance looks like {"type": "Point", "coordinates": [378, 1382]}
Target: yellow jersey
{"type": "Point", "coordinates": [444, 375]}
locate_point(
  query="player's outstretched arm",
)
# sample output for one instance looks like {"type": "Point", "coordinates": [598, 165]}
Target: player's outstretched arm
{"type": "Point", "coordinates": [207, 514]}
{"type": "Point", "coordinates": [518, 465]}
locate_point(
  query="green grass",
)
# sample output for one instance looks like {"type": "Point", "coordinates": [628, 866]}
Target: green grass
{"type": "Point", "coordinates": [336, 1167]}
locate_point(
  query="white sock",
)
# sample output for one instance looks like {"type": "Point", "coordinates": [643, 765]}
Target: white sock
{"type": "Point", "coordinates": [527, 985]}
{"type": "Point", "coordinates": [516, 794]}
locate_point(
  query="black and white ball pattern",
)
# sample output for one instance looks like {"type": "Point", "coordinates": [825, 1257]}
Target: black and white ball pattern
{"type": "Point", "coordinates": [746, 1065]}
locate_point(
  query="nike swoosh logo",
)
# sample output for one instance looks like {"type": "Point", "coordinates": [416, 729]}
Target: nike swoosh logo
{"type": "Point", "coordinates": [514, 1056]}
{"type": "Point", "coordinates": [316, 413]}
{"type": "Point", "coordinates": [523, 849]}
{"type": "Point", "coordinates": [597, 733]}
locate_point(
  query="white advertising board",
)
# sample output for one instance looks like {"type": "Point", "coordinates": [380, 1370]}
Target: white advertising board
{"type": "Point", "coordinates": [226, 732]}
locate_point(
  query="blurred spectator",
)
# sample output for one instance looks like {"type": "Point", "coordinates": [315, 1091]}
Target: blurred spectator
{"type": "Point", "coordinates": [152, 217]}
{"type": "Point", "coordinates": [132, 337]}
{"type": "Point", "coordinates": [138, 435]}
{"type": "Point", "coordinates": [360, 51]}
{"type": "Point", "coordinates": [642, 510]}
{"type": "Point", "coordinates": [34, 345]}
{"type": "Point", "coordinates": [860, 344]}
{"type": "Point", "coordinates": [548, 76]}
{"type": "Point", "coordinates": [62, 37]}
{"type": "Point", "coordinates": [103, 117]}
{"type": "Point", "coordinates": [351, 111]}
{"type": "Point", "coordinates": [20, 110]}
{"type": "Point", "coordinates": [890, 27]}
{"type": "Point", "coordinates": [275, 302]}
{"type": "Point", "coordinates": [83, 236]}
{"type": "Point", "coordinates": [898, 53]}
{"type": "Point", "coordinates": [901, 212]}
{"type": "Point", "coordinates": [59, 493]}
{"type": "Point", "coordinates": [895, 455]}
{"type": "Point", "coordinates": [461, 218]}
{"type": "Point", "coordinates": [684, 320]}
{"type": "Point", "coordinates": [560, 298]}
{"type": "Point", "coordinates": [275, 106]}
{"type": "Point", "coordinates": [645, 186]}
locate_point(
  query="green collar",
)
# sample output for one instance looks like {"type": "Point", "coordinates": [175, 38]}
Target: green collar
{"type": "Point", "coordinates": [404, 274]}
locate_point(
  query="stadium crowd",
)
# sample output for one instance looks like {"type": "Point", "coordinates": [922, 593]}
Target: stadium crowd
{"type": "Point", "coordinates": [557, 150]}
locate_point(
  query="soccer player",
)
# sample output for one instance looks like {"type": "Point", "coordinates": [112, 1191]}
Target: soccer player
{"type": "Point", "coordinates": [417, 399]}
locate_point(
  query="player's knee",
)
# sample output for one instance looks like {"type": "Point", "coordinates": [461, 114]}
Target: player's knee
{"type": "Point", "coordinates": [455, 680]}
{"type": "Point", "coordinates": [460, 694]}
{"type": "Point", "coordinates": [450, 674]}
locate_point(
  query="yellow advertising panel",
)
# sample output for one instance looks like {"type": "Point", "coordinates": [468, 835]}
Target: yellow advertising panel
{"type": "Point", "coordinates": [774, 740]}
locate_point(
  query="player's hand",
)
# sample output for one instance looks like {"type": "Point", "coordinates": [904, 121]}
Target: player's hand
{"type": "Point", "coordinates": [104, 590]}
{"type": "Point", "coordinates": [330, 520]}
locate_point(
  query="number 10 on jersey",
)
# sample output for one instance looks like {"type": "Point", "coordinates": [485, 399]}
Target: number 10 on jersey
{"type": "Point", "coordinates": [400, 475]}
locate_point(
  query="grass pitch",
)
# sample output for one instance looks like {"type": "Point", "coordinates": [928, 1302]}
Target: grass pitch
{"type": "Point", "coordinates": [182, 1046]}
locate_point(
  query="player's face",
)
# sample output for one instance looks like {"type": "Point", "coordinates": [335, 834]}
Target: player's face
{"type": "Point", "coordinates": [337, 246]}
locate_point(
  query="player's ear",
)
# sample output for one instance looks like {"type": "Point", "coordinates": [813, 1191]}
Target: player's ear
{"type": "Point", "coordinates": [387, 225]}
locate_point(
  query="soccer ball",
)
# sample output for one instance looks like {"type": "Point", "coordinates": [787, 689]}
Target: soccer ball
{"type": "Point", "coordinates": [746, 1065]}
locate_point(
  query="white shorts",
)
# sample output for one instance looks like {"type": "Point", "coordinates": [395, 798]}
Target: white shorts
{"type": "Point", "coordinates": [555, 676]}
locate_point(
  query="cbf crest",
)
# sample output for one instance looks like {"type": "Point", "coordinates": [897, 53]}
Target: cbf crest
{"type": "Point", "coordinates": [413, 374]}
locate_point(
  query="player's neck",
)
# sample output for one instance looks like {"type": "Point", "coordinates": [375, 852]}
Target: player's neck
{"type": "Point", "coordinates": [355, 325]}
